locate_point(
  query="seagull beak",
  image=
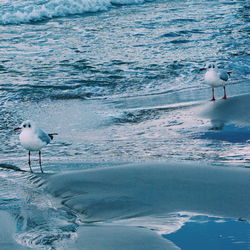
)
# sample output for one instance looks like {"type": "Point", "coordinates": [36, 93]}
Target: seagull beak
{"type": "Point", "coordinates": [202, 68]}
{"type": "Point", "coordinates": [17, 128]}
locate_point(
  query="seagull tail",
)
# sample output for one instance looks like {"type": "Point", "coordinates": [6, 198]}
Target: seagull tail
{"type": "Point", "coordinates": [52, 135]}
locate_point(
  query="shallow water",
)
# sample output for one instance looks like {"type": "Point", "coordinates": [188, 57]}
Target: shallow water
{"type": "Point", "coordinates": [119, 81]}
{"type": "Point", "coordinates": [100, 78]}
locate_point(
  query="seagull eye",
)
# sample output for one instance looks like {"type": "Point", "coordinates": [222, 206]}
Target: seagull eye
{"type": "Point", "coordinates": [24, 125]}
{"type": "Point", "coordinates": [29, 125]}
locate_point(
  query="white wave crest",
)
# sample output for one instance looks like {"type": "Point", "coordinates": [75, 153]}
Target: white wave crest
{"type": "Point", "coordinates": [57, 8]}
{"type": "Point", "coordinates": [127, 1]}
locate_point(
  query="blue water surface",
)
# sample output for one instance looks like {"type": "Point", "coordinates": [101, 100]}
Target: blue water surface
{"type": "Point", "coordinates": [119, 81]}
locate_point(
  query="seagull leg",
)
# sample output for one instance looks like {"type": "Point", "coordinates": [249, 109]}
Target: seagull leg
{"type": "Point", "coordinates": [29, 161]}
{"type": "Point", "coordinates": [225, 94]}
{"type": "Point", "coordinates": [40, 161]}
{"type": "Point", "coordinates": [213, 98]}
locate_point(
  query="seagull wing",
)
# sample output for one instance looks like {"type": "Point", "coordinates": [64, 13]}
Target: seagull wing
{"type": "Point", "coordinates": [52, 135]}
{"type": "Point", "coordinates": [223, 75]}
{"type": "Point", "coordinates": [43, 136]}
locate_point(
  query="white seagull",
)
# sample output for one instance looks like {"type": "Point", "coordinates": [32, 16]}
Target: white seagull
{"type": "Point", "coordinates": [33, 138]}
{"type": "Point", "coordinates": [216, 78]}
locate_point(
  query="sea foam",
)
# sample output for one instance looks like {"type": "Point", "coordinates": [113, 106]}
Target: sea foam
{"type": "Point", "coordinates": [32, 12]}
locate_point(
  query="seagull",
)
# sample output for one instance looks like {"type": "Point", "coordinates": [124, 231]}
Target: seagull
{"type": "Point", "coordinates": [33, 138]}
{"type": "Point", "coordinates": [216, 78]}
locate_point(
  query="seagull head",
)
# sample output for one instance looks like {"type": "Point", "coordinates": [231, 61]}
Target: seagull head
{"type": "Point", "coordinates": [26, 125]}
{"type": "Point", "coordinates": [208, 66]}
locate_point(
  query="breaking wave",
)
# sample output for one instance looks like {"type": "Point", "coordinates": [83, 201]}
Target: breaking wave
{"type": "Point", "coordinates": [37, 11]}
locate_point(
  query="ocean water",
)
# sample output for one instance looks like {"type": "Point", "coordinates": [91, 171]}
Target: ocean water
{"type": "Point", "coordinates": [119, 81]}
